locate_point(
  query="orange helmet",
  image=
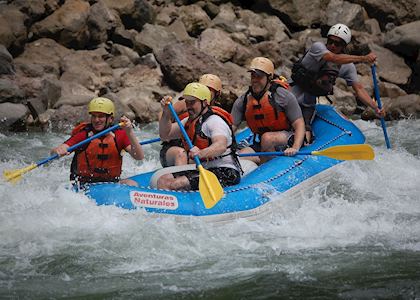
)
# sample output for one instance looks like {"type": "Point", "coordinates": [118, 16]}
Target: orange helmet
{"type": "Point", "coordinates": [211, 81]}
{"type": "Point", "coordinates": [262, 64]}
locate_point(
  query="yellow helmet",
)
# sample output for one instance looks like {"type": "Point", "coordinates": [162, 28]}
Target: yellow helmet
{"type": "Point", "coordinates": [198, 90]}
{"type": "Point", "coordinates": [262, 64]}
{"type": "Point", "coordinates": [101, 104]}
{"type": "Point", "coordinates": [211, 81]}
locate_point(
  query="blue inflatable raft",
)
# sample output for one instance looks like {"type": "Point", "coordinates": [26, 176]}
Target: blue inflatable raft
{"type": "Point", "coordinates": [253, 195]}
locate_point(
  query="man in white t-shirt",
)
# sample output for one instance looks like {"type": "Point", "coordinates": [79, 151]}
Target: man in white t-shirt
{"type": "Point", "coordinates": [211, 134]}
{"type": "Point", "coordinates": [314, 75]}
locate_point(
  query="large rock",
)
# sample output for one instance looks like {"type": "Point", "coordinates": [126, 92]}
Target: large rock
{"type": "Point", "coordinates": [152, 39]}
{"type": "Point", "coordinates": [339, 11]}
{"type": "Point", "coordinates": [87, 68]}
{"type": "Point", "coordinates": [391, 67]}
{"type": "Point", "coordinates": [101, 21]}
{"type": "Point", "coordinates": [6, 62]}
{"type": "Point", "coordinates": [195, 19]}
{"type": "Point", "coordinates": [13, 32]}
{"type": "Point", "coordinates": [407, 106]}
{"type": "Point", "coordinates": [11, 113]}
{"type": "Point", "coordinates": [300, 12]}
{"type": "Point", "coordinates": [217, 43]}
{"type": "Point", "coordinates": [67, 25]}
{"type": "Point", "coordinates": [44, 55]}
{"type": "Point", "coordinates": [404, 39]}
{"type": "Point", "coordinates": [133, 13]}
{"type": "Point", "coordinates": [399, 12]}
{"type": "Point", "coordinates": [10, 91]}
{"type": "Point", "coordinates": [182, 63]}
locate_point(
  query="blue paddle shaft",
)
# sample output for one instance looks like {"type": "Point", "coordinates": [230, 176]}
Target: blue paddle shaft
{"type": "Point", "coordinates": [378, 99]}
{"type": "Point", "coordinates": [184, 133]}
{"type": "Point", "coordinates": [72, 148]}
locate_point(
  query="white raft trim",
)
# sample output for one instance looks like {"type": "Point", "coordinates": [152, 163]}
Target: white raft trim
{"type": "Point", "coordinates": [247, 166]}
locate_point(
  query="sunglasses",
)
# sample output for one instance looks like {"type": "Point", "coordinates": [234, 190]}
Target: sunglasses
{"type": "Point", "coordinates": [335, 43]}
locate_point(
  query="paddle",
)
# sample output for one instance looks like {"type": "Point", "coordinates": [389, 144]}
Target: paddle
{"type": "Point", "coordinates": [378, 99]}
{"type": "Point", "coordinates": [15, 175]}
{"type": "Point", "coordinates": [209, 186]}
{"type": "Point", "coordinates": [346, 152]}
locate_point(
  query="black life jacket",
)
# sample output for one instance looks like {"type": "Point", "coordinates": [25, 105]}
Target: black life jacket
{"type": "Point", "coordinates": [320, 83]}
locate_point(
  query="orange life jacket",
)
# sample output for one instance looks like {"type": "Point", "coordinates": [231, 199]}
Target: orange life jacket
{"type": "Point", "coordinates": [196, 135]}
{"type": "Point", "coordinates": [263, 115]}
{"type": "Point", "coordinates": [98, 161]}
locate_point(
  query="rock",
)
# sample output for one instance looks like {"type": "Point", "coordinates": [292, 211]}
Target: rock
{"type": "Point", "coordinates": [67, 25]}
{"type": "Point", "coordinates": [11, 113]}
{"type": "Point", "coordinates": [6, 62]}
{"type": "Point", "coordinates": [13, 32]}
{"type": "Point", "coordinates": [194, 18]}
{"type": "Point", "coordinates": [339, 11]}
{"type": "Point", "coordinates": [133, 13]}
{"type": "Point", "coordinates": [44, 53]}
{"type": "Point", "coordinates": [100, 21]}
{"type": "Point", "coordinates": [300, 13]}
{"type": "Point", "coordinates": [152, 39]}
{"type": "Point", "coordinates": [404, 39]}
{"type": "Point", "coordinates": [10, 91]}
{"type": "Point", "coordinates": [217, 43]}
{"type": "Point", "coordinates": [391, 67]}
{"type": "Point", "coordinates": [87, 68]}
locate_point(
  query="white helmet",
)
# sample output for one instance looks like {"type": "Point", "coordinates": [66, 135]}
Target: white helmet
{"type": "Point", "coordinates": [341, 31]}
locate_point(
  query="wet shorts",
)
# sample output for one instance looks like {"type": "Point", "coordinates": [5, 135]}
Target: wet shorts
{"type": "Point", "coordinates": [226, 176]}
{"type": "Point", "coordinates": [165, 147]}
{"type": "Point", "coordinates": [256, 146]}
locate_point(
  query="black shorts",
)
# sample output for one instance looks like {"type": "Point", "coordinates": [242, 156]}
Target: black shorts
{"type": "Point", "coordinates": [165, 147]}
{"type": "Point", "coordinates": [226, 176]}
{"type": "Point", "coordinates": [256, 146]}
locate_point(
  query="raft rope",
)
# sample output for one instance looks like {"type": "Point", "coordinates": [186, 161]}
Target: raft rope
{"type": "Point", "coordinates": [289, 169]}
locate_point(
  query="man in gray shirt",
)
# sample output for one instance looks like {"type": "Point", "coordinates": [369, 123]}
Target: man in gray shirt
{"type": "Point", "coordinates": [271, 112]}
{"type": "Point", "coordinates": [314, 75]}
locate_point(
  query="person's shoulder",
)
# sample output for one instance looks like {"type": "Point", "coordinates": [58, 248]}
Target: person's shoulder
{"type": "Point", "coordinates": [318, 46]}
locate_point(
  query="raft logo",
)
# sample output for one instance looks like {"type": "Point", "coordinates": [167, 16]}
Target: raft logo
{"type": "Point", "coordinates": [153, 200]}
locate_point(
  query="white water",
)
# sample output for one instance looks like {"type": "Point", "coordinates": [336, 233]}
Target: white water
{"type": "Point", "coordinates": [53, 236]}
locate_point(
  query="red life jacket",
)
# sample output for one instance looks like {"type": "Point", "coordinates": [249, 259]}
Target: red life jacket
{"type": "Point", "coordinates": [98, 161]}
{"type": "Point", "coordinates": [196, 135]}
{"type": "Point", "coordinates": [263, 115]}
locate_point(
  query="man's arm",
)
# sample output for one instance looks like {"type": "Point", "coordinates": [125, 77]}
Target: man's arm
{"type": "Point", "coordinates": [342, 59]}
{"type": "Point", "coordinates": [362, 94]}
{"type": "Point", "coordinates": [218, 147]}
{"type": "Point", "coordinates": [167, 129]}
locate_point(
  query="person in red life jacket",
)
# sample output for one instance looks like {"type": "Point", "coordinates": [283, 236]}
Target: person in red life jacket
{"type": "Point", "coordinates": [316, 72]}
{"type": "Point", "coordinates": [172, 152]}
{"type": "Point", "coordinates": [101, 159]}
{"type": "Point", "coordinates": [271, 112]}
{"type": "Point", "coordinates": [210, 132]}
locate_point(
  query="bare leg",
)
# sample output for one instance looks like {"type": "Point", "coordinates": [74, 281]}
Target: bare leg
{"type": "Point", "coordinates": [128, 182]}
{"type": "Point", "coordinates": [169, 182]}
{"type": "Point", "coordinates": [176, 156]}
{"type": "Point", "coordinates": [270, 140]}
{"type": "Point", "coordinates": [255, 159]}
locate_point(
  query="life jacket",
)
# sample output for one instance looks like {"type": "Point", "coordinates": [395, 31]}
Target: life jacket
{"type": "Point", "coordinates": [199, 139]}
{"type": "Point", "coordinates": [98, 161]}
{"type": "Point", "coordinates": [319, 83]}
{"type": "Point", "coordinates": [193, 127]}
{"type": "Point", "coordinates": [263, 115]}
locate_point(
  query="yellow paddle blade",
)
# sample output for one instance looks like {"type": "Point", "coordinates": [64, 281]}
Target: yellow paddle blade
{"type": "Point", "coordinates": [14, 176]}
{"type": "Point", "coordinates": [348, 152]}
{"type": "Point", "coordinates": [210, 188]}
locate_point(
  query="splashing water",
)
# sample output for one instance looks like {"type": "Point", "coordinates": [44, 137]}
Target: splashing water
{"type": "Point", "coordinates": [356, 235]}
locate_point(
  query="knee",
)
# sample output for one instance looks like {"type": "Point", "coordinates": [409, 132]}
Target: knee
{"type": "Point", "coordinates": [164, 182]}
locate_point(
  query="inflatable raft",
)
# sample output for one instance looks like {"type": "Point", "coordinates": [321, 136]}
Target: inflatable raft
{"type": "Point", "coordinates": [254, 194]}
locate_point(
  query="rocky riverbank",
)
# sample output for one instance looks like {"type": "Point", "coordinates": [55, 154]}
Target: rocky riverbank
{"type": "Point", "coordinates": [56, 55]}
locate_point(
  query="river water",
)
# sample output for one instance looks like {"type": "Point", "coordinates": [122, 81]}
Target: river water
{"type": "Point", "coordinates": [356, 236]}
